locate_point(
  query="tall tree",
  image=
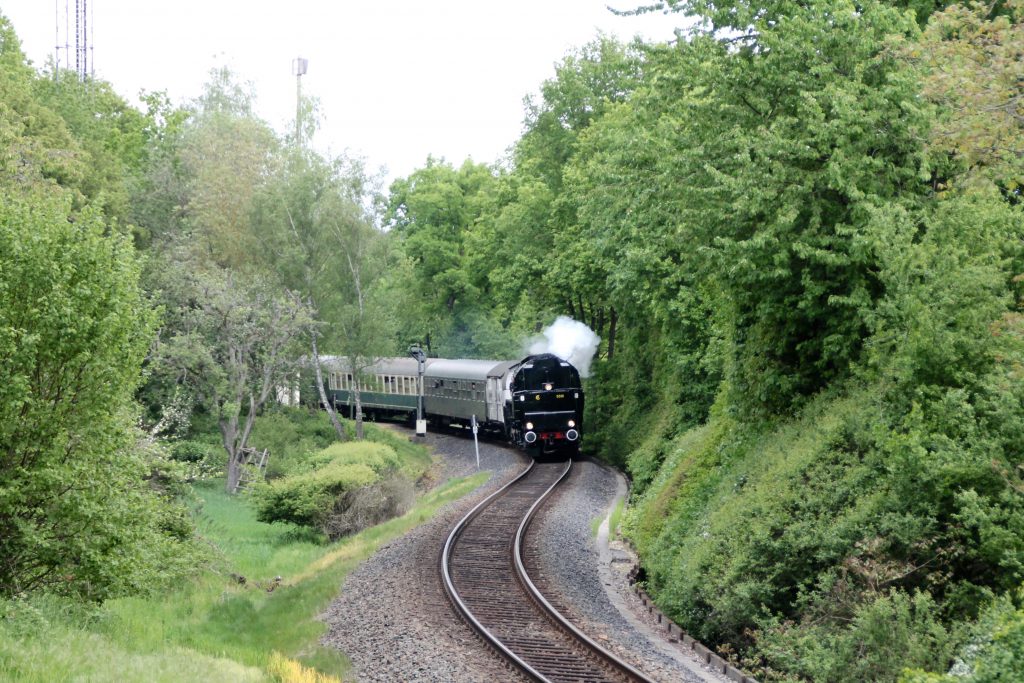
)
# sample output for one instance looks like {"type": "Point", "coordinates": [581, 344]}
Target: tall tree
{"type": "Point", "coordinates": [432, 212]}
{"type": "Point", "coordinates": [972, 56]}
{"type": "Point", "coordinates": [296, 224]}
{"type": "Point", "coordinates": [227, 151]}
{"type": "Point", "coordinates": [110, 132]}
{"type": "Point", "coordinates": [539, 261]}
{"type": "Point", "coordinates": [236, 342]}
{"type": "Point", "coordinates": [364, 321]}
{"type": "Point", "coordinates": [38, 153]}
{"type": "Point", "coordinates": [75, 512]}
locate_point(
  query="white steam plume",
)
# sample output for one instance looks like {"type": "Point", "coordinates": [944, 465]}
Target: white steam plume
{"type": "Point", "coordinates": [570, 340]}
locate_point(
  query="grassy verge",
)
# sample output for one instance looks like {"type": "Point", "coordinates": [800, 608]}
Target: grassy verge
{"type": "Point", "coordinates": [216, 628]}
{"type": "Point", "coordinates": [613, 520]}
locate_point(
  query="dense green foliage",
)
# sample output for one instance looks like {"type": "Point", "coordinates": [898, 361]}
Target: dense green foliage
{"type": "Point", "coordinates": [797, 229]}
{"type": "Point", "coordinates": [85, 497]}
{"type": "Point", "coordinates": [76, 514]}
{"type": "Point", "coordinates": [292, 436]}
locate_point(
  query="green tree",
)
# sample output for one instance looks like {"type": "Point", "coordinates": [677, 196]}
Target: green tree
{"type": "Point", "coordinates": [971, 55]}
{"type": "Point", "coordinates": [37, 151]}
{"type": "Point", "coordinates": [365, 320]}
{"type": "Point", "coordinates": [541, 258]}
{"type": "Point", "coordinates": [228, 153]}
{"type": "Point", "coordinates": [111, 135]}
{"type": "Point", "coordinates": [75, 512]}
{"type": "Point", "coordinates": [235, 343]}
{"type": "Point", "coordinates": [297, 224]}
{"type": "Point", "coordinates": [432, 212]}
{"type": "Point", "coordinates": [159, 192]}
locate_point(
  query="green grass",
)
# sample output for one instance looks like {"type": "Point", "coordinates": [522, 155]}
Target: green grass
{"type": "Point", "coordinates": [613, 520]}
{"type": "Point", "coordinates": [613, 523]}
{"type": "Point", "coordinates": [215, 628]}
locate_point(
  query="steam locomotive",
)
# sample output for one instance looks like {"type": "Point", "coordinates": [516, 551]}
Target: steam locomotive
{"type": "Point", "coordinates": [536, 403]}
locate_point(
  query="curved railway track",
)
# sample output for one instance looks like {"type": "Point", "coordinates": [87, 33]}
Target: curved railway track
{"type": "Point", "coordinates": [484, 576]}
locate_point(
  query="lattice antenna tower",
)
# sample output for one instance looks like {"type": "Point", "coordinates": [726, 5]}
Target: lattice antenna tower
{"type": "Point", "coordinates": [80, 19]}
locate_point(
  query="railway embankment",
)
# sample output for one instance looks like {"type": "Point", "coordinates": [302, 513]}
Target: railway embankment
{"type": "Point", "coordinates": [394, 623]}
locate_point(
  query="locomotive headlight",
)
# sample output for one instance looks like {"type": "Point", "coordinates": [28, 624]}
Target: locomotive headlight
{"type": "Point", "coordinates": [529, 425]}
{"type": "Point", "coordinates": [548, 386]}
{"type": "Point", "coordinates": [572, 423]}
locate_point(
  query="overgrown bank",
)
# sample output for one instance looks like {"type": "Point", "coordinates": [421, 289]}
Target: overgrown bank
{"type": "Point", "coordinates": [841, 544]}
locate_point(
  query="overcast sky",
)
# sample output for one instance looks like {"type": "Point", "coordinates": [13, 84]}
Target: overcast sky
{"type": "Point", "coordinates": [396, 80]}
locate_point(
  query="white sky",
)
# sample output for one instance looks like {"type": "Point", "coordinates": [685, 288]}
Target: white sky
{"type": "Point", "coordinates": [396, 80]}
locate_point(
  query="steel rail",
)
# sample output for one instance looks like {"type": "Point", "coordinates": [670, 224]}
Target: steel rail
{"type": "Point", "coordinates": [453, 594]}
{"type": "Point", "coordinates": [609, 658]}
{"type": "Point", "coordinates": [516, 574]}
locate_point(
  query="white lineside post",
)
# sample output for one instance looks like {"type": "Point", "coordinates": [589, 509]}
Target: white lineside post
{"type": "Point", "coordinates": [476, 443]}
{"type": "Point", "coordinates": [416, 351]}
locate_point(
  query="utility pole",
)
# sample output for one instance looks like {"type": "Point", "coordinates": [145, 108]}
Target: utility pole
{"type": "Point", "coordinates": [299, 68]}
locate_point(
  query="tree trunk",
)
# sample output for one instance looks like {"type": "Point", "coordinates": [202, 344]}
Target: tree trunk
{"type": "Point", "coordinates": [228, 433]}
{"type": "Point", "coordinates": [235, 443]}
{"type": "Point", "coordinates": [357, 395]}
{"type": "Point", "coordinates": [359, 413]}
{"type": "Point", "coordinates": [338, 429]}
{"type": "Point", "coordinates": [234, 471]}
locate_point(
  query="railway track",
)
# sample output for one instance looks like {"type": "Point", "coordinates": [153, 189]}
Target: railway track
{"type": "Point", "coordinates": [484, 576]}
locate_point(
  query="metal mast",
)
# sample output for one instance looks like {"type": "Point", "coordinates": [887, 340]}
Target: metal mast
{"type": "Point", "coordinates": [81, 40]}
{"type": "Point", "coordinates": [83, 30]}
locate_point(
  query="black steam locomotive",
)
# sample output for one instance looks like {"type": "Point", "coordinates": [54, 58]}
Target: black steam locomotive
{"type": "Point", "coordinates": [536, 402]}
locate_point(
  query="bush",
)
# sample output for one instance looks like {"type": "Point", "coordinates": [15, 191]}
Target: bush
{"type": "Point", "coordinates": [885, 635]}
{"type": "Point", "coordinates": [379, 457]}
{"type": "Point", "coordinates": [369, 505]}
{"type": "Point", "coordinates": [994, 653]}
{"type": "Point", "coordinates": [308, 499]}
{"type": "Point", "coordinates": [193, 451]}
{"type": "Point", "coordinates": [291, 435]}
{"type": "Point", "coordinates": [343, 488]}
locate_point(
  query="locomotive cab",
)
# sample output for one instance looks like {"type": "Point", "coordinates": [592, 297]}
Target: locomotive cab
{"type": "Point", "coordinates": [546, 404]}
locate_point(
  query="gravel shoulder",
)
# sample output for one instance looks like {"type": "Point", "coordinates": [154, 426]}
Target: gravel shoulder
{"type": "Point", "coordinates": [590, 575]}
{"type": "Point", "coordinates": [392, 619]}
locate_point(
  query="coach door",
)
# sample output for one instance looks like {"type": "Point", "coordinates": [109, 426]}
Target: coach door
{"type": "Point", "coordinates": [494, 413]}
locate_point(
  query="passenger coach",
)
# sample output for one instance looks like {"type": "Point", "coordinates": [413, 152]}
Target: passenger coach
{"type": "Point", "coordinates": [536, 402]}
